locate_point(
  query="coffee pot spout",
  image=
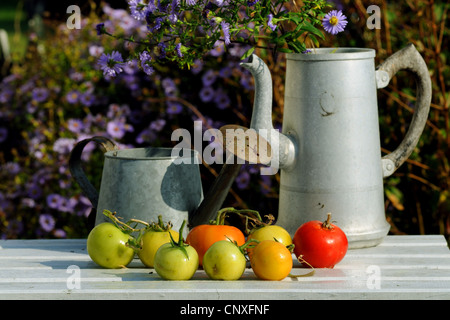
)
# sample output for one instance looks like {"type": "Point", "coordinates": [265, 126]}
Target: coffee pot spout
{"type": "Point", "coordinates": [261, 119]}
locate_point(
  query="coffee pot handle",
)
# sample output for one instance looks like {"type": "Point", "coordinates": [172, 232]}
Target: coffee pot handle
{"type": "Point", "coordinates": [409, 59]}
{"type": "Point", "coordinates": [77, 171]}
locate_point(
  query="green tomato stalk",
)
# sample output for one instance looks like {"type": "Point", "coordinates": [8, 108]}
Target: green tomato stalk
{"type": "Point", "coordinates": [180, 243]}
{"type": "Point", "coordinates": [244, 219]}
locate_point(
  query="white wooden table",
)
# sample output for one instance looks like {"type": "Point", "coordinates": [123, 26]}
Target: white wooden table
{"type": "Point", "coordinates": [402, 267]}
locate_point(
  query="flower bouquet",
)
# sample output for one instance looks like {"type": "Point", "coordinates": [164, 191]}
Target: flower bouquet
{"type": "Point", "coordinates": [184, 31]}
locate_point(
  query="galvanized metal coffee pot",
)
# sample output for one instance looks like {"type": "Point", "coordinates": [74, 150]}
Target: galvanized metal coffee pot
{"type": "Point", "coordinates": [329, 148]}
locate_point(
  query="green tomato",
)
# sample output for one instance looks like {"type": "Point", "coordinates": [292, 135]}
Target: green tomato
{"type": "Point", "coordinates": [173, 262]}
{"type": "Point", "coordinates": [151, 241]}
{"type": "Point", "coordinates": [107, 246]}
{"type": "Point", "coordinates": [224, 261]}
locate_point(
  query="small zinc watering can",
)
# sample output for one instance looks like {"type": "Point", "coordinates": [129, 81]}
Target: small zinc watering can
{"type": "Point", "coordinates": [329, 149]}
{"type": "Point", "coordinates": [142, 183]}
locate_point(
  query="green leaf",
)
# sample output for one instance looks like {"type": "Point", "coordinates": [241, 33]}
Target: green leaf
{"type": "Point", "coordinates": [285, 50]}
{"type": "Point", "coordinates": [248, 53]}
{"type": "Point", "coordinates": [308, 27]}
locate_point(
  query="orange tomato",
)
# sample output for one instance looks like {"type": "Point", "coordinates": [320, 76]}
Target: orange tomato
{"type": "Point", "coordinates": [203, 236]}
{"type": "Point", "coordinates": [271, 260]}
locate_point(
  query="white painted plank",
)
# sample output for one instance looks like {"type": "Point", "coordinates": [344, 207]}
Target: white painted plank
{"type": "Point", "coordinates": [409, 267]}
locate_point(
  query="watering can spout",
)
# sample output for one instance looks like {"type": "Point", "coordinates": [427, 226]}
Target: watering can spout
{"type": "Point", "coordinates": [261, 119]}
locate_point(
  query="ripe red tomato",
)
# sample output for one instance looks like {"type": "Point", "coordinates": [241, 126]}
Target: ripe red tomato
{"type": "Point", "coordinates": [203, 236]}
{"type": "Point", "coordinates": [320, 244]}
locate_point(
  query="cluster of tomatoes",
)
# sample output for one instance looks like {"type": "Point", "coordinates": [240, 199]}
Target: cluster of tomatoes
{"type": "Point", "coordinates": [221, 250]}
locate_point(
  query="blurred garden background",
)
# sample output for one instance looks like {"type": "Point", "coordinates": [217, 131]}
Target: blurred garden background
{"type": "Point", "coordinates": [52, 94]}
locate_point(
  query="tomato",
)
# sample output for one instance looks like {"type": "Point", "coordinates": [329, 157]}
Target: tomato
{"type": "Point", "coordinates": [271, 260]}
{"type": "Point", "coordinates": [154, 236]}
{"type": "Point", "coordinates": [320, 244]}
{"type": "Point", "coordinates": [203, 236]}
{"type": "Point", "coordinates": [176, 260]}
{"type": "Point", "coordinates": [271, 232]}
{"type": "Point", "coordinates": [224, 261]}
{"type": "Point", "coordinates": [108, 246]}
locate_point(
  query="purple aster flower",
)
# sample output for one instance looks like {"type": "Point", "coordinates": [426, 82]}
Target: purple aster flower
{"type": "Point", "coordinates": [178, 49]}
{"type": "Point", "coordinates": [54, 200]}
{"type": "Point", "coordinates": [197, 66]}
{"type": "Point", "coordinates": [173, 18]}
{"type": "Point", "coordinates": [307, 51]}
{"type": "Point", "coordinates": [63, 145]}
{"type": "Point", "coordinates": [34, 191]}
{"type": "Point", "coordinates": [11, 168]}
{"type": "Point", "coordinates": [145, 59]}
{"type": "Point", "coordinates": [209, 77]}
{"type": "Point", "coordinates": [137, 9]}
{"type": "Point", "coordinates": [269, 22]}
{"type": "Point", "coordinates": [47, 222]}
{"type": "Point", "coordinates": [334, 22]}
{"type": "Point", "coordinates": [162, 50]}
{"type": "Point", "coordinates": [148, 69]}
{"type": "Point", "coordinates": [60, 233]}
{"type": "Point", "coordinates": [146, 136]}
{"type": "Point", "coordinates": [218, 50]}
{"type": "Point", "coordinates": [157, 25]}
{"type": "Point", "coordinates": [243, 180]}
{"type": "Point", "coordinates": [111, 64]}
{"type": "Point", "coordinates": [117, 128]}
{"type": "Point", "coordinates": [157, 125]}
{"type": "Point", "coordinates": [218, 3]}
{"type": "Point", "coordinates": [169, 86]}
{"type": "Point", "coordinates": [174, 107]}
{"type": "Point", "coordinates": [75, 125]}
{"type": "Point", "coordinates": [73, 96]}
{"type": "Point", "coordinates": [221, 99]}
{"type": "Point", "coordinates": [226, 32]}
{"type": "Point", "coordinates": [6, 94]}
{"type": "Point", "coordinates": [3, 134]}
{"type": "Point", "coordinates": [40, 94]}
{"type": "Point", "coordinates": [191, 2]}
{"type": "Point", "coordinates": [100, 28]}
{"type": "Point", "coordinates": [87, 99]}
{"type": "Point", "coordinates": [252, 3]}
{"type": "Point", "coordinates": [206, 94]}
{"type": "Point", "coordinates": [96, 51]}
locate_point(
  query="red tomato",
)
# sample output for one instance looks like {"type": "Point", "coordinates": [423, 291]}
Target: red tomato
{"type": "Point", "coordinates": [203, 236]}
{"type": "Point", "coordinates": [321, 244]}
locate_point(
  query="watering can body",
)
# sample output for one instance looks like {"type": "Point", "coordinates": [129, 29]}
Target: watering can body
{"type": "Point", "coordinates": [329, 148]}
{"type": "Point", "coordinates": [142, 183]}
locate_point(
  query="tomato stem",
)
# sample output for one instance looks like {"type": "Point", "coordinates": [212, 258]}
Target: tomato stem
{"type": "Point", "coordinates": [180, 243]}
{"type": "Point", "coordinates": [250, 243]}
{"type": "Point", "coordinates": [327, 223]}
{"type": "Point", "coordinates": [309, 274]}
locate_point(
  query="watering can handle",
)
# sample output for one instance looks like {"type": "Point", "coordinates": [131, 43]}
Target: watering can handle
{"type": "Point", "coordinates": [77, 171]}
{"type": "Point", "coordinates": [409, 59]}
